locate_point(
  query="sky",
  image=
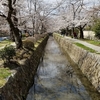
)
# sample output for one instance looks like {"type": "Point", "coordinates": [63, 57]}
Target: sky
{"type": "Point", "coordinates": [87, 1]}
{"type": "Point", "coordinates": [52, 1]}
{"type": "Point", "coordinates": [92, 2]}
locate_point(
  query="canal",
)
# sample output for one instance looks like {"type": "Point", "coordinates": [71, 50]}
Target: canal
{"type": "Point", "coordinates": [56, 79]}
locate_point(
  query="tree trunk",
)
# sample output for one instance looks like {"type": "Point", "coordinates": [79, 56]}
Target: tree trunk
{"type": "Point", "coordinates": [13, 23]}
{"type": "Point", "coordinates": [73, 30]}
{"type": "Point", "coordinates": [12, 35]}
{"type": "Point", "coordinates": [18, 40]}
{"type": "Point", "coordinates": [81, 33]}
{"type": "Point", "coordinates": [15, 33]}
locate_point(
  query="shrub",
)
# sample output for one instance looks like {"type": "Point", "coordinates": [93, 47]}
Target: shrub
{"type": "Point", "coordinates": [28, 44]}
{"type": "Point", "coordinates": [32, 39]}
{"type": "Point", "coordinates": [7, 53]}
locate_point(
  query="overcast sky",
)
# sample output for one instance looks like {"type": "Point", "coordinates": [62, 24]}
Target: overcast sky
{"type": "Point", "coordinates": [86, 1]}
{"type": "Point", "coordinates": [92, 2]}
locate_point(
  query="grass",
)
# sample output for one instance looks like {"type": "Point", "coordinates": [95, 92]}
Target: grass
{"type": "Point", "coordinates": [97, 43]}
{"type": "Point", "coordinates": [94, 42]}
{"type": "Point", "coordinates": [86, 48]}
{"type": "Point", "coordinates": [4, 73]}
{"type": "Point", "coordinates": [5, 42]}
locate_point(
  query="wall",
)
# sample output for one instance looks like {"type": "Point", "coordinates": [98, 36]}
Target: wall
{"type": "Point", "coordinates": [89, 35]}
{"type": "Point", "coordinates": [18, 85]}
{"type": "Point", "coordinates": [88, 62]}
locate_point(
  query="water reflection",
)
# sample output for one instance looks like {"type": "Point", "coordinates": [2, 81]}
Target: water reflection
{"type": "Point", "coordinates": [55, 79]}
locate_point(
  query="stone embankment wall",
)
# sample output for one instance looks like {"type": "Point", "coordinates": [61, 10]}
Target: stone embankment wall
{"type": "Point", "coordinates": [18, 85]}
{"type": "Point", "coordinates": [88, 62]}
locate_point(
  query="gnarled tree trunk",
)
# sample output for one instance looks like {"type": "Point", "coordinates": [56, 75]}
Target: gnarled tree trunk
{"type": "Point", "coordinates": [13, 21]}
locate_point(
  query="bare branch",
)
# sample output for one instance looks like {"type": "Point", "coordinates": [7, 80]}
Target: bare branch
{"type": "Point", "coordinates": [2, 15]}
{"type": "Point", "coordinates": [14, 1]}
{"type": "Point", "coordinates": [4, 4]}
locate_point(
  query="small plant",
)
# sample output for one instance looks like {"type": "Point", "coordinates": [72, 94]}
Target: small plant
{"type": "Point", "coordinates": [7, 53]}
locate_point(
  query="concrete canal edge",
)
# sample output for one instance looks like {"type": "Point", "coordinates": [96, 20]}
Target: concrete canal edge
{"type": "Point", "coordinates": [17, 86]}
{"type": "Point", "coordinates": [88, 63]}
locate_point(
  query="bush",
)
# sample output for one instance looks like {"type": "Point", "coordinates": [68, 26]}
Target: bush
{"type": "Point", "coordinates": [7, 53]}
{"type": "Point", "coordinates": [28, 44]}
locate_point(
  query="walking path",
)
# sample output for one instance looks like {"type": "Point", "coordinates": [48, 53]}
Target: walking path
{"type": "Point", "coordinates": [96, 48]}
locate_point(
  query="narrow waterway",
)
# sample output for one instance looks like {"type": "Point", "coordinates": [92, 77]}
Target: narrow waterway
{"type": "Point", "coordinates": [56, 79]}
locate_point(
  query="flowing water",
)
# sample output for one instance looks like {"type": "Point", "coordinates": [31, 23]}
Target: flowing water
{"type": "Point", "coordinates": [55, 78]}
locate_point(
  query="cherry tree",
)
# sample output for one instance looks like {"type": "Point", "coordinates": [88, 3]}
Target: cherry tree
{"type": "Point", "coordinates": [41, 14]}
{"type": "Point", "coordinates": [9, 12]}
{"type": "Point", "coordinates": [73, 14]}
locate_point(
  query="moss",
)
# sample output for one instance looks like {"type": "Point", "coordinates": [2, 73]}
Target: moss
{"type": "Point", "coordinates": [4, 73]}
{"type": "Point", "coordinates": [38, 42]}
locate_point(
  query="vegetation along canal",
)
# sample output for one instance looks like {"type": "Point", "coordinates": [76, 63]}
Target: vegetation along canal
{"type": "Point", "coordinates": [56, 79]}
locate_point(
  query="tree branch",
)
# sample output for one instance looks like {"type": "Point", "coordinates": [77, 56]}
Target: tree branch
{"type": "Point", "coordinates": [14, 1]}
{"type": "Point", "coordinates": [10, 8]}
{"type": "Point", "coordinates": [84, 25]}
{"type": "Point", "coordinates": [4, 4]}
{"type": "Point", "coordinates": [2, 15]}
